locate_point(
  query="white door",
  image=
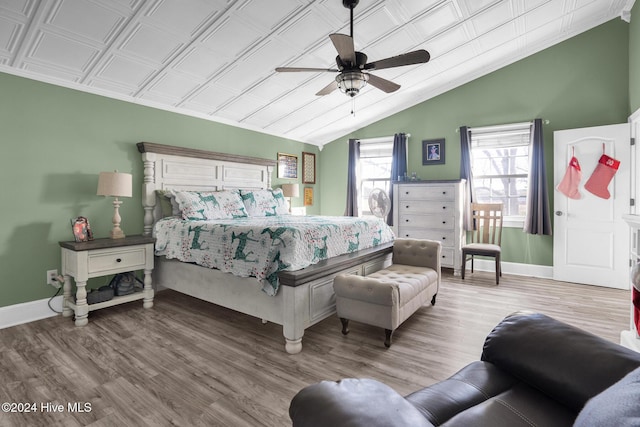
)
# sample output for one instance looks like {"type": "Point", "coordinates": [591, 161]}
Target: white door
{"type": "Point", "coordinates": [590, 239]}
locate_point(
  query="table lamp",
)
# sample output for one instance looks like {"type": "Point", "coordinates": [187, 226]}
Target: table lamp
{"type": "Point", "coordinates": [115, 184]}
{"type": "Point", "coordinates": [290, 190]}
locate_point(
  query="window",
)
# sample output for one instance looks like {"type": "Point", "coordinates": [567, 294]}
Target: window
{"type": "Point", "coordinates": [500, 166]}
{"type": "Point", "coordinates": [375, 170]}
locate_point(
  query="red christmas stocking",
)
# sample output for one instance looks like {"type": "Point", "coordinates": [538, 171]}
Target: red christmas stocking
{"type": "Point", "coordinates": [602, 176]}
{"type": "Point", "coordinates": [571, 181]}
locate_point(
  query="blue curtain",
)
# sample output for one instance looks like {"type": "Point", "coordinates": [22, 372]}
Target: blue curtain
{"type": "Point", "coordinates": [398, 166]}
{"type": "Point", "coordinates": [537, 219]}
{"type": "Point", "coordinates": [352, 178]}
{"type": "Point", "coordinates": [466, 174]}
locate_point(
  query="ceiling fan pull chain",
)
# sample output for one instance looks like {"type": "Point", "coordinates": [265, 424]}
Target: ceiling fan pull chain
{"type": "Point", "coordinates": [353, 106]}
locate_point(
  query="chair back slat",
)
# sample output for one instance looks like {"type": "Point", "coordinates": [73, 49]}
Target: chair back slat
{"type": "Point", "coordinates": [487, 221]}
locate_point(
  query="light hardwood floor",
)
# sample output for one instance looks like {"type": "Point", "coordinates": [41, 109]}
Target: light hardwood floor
{"type": "Point", "coordinates": [188, 362]}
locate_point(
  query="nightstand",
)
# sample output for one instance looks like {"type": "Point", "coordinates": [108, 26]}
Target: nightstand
{"type": "Point", "coordinates": [102, 257]}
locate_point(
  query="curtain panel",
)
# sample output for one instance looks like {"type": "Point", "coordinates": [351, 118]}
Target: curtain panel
{"type": "Point", "coordinates": [352, 178]}
{"type": "Point", "coordinates": [398, 166]}
{"type": "Point", "coordinates": [538, 218]}
{"type": "Point", "coordinates": [466, 174]}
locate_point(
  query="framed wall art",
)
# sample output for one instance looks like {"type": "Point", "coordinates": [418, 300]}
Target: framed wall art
{"type": "Point", "coordinates": [287, 166]}
{"type": "Point", "coordinates": [433, 151]}
{"type": "Point", "coordinates": [308, 196]}
{"type": "Point", "coordinates": [308, 168]}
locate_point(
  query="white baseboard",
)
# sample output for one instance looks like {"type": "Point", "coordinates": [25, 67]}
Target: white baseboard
{"type": "Point", "coordinates": [530, 270]}
{"type": "Point", "coordinates": [31, 311]}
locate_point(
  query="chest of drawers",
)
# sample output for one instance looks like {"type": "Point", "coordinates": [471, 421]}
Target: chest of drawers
{"type": "Point", "coordinates": [432, 210]}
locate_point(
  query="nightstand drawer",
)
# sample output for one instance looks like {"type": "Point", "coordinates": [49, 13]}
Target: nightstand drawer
{"type": "Point", "coordinates": [124, 259]}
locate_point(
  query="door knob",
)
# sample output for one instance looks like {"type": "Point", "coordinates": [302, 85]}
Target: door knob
{"type": "Point", "coordinates": [558, 213]}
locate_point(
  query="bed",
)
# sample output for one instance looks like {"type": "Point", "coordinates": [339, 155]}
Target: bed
{"type": "Point", "coordinates": [303, 296]}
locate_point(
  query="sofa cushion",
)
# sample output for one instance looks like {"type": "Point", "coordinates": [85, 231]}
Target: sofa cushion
{"type": "Point", "coordinates": [470, 386]}
{"type": "Point", "coordinates": [617, 406]}
{"type": "Point", "coordinates": [353, 402]}
{"type": "Point", "coordinates": [534, 348]}
{"type": "Point", "coordinates": [519, 406]}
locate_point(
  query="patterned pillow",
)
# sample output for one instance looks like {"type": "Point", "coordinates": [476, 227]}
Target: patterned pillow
{"type": "Point", "coordinates": [195, 205]}
{"type": "Point", "coordinates": [264, 202]}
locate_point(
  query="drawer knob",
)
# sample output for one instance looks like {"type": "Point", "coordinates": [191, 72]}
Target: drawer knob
{"type": "Point", "coordinates": [406, 220]}
{"type": "Point", "coordinates": [444, 222]}
{"type": "Point", "coordinates": [406, 192]}
{"type": "Point", "coordinates": [444, 238]}
{"type": "Point", "coordinates": [406, 235]}
{"type": "Point", "coordinates": [444, 192]}
{"type": "Point", "coordinates": [407, 206]}
{"type": "Point", "coordinates": [444, 207]}
{"type": "Point", "coordinates": [118, 259]}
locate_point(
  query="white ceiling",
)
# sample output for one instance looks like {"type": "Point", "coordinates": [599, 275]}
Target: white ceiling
{"type": "Point", "coordinates": [215, 59]}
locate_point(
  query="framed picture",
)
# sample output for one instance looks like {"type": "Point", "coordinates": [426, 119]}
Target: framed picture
{"type": "Point", "coordinates": [287, 166]}
{"type": "Point", "coordinates": [433, 152]}
{"type": "Point", "coordinates": [81, 229]}
{"type": "Point", "coordinates": [308, 196]}
{"type": "Point", "coordinates": [308, 168]}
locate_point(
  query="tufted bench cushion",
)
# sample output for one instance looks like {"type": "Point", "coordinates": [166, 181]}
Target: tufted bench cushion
{"type": "Point", "coordinates": [389, 296]}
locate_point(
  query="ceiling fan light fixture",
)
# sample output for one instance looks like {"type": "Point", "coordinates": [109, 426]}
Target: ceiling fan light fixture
{"type": "Point", "coordinates": [351, 82]}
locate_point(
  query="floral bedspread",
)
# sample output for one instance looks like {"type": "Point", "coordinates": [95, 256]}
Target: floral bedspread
{"type": "Point", "coordinates": [260, 247]}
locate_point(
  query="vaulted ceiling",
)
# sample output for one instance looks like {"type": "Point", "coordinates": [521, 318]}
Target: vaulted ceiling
{"type": "Point", "coordinates": [215, 59]}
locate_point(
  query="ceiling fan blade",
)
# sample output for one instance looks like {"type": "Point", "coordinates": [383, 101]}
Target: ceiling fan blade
{"type": "Point", "coordinates": [344, 46]}
{"type": "Point", "coordinates": [416, 57]}
{"type": "Point", "coordinates": [297, 69]}
{"type": "Point", "coordinates": [328, 89]}
{"type": "Point", "coordinates": [383, 84]}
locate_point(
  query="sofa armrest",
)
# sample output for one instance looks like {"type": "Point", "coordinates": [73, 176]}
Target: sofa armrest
{"type": "Point", "coordinates": [418, 252]}
{"type": "Point", "coordinates": [564, 362]}
{"type": "Point", "coordinates": [353, 402]}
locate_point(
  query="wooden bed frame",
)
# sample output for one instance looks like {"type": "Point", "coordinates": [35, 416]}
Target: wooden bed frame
{"type": "Point", "coordinates": [305, 297]}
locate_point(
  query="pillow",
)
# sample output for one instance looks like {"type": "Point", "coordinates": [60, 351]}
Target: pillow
{"type": "Point", "coordinates": [195, 205]}
{"type": "Point", "coordinates": [264, 202]}
{"type": "Point", "coordinates": [168, 204]}
{"type": "Point", "coordinates": [617, 406]}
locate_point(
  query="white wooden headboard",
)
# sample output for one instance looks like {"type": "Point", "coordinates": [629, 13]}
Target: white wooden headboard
{"type": "Point", "coordinates": [167, 167]}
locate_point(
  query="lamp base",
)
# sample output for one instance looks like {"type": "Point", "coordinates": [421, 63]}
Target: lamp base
{"type": "Point", "coordinates": [117, 234]}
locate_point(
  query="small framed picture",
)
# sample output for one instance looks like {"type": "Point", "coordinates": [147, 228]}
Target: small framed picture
{"type": "Point", "coordinates": [433, 152]}
{"type": "Point", "coordinates": [287, 166]}
{"type": "Point", "coordinates": [308, 196]}
{"type": "Point", "coordinates": [81, 229]}
{"type": "Point", "coordinates": [308, 168]}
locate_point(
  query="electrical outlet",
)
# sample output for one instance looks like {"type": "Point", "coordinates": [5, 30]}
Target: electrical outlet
{"type": "Point", "coordinates": [52, 279]}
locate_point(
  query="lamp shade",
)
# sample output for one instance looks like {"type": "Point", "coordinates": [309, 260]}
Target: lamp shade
{"type": "Point", "coordinates": [115, 184]}
{"type": "Point", "coordinates": [290, 190]}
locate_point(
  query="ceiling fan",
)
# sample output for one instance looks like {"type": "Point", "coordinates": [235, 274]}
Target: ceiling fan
{"type": "Point", "coordinates": [353, 67]}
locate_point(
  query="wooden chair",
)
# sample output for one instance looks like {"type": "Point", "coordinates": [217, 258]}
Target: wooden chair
{"type": "Point", "coordinates": [486, 235]}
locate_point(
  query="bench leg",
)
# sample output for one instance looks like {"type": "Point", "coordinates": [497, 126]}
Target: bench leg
{"type": "Point", "coordinates": [387, 337]}
{"type": "Point", "coordinates": [345, 325]}
{"type": "Point", "coordinates": [433, 300]}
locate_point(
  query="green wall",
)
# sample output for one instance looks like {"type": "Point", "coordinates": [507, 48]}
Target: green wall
{"type": "Point", "coordinates": [580, 82]}
{"type": "Point", "coordinates": [634, 59]}
{"type": "Point", "coordinates": [55, 141]}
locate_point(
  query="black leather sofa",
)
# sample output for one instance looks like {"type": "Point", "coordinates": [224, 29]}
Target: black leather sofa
{"type": "Point", "coordinates": [534, 371]}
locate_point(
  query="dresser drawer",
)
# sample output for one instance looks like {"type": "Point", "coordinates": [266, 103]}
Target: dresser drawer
{"type": "Point", "coordinates": [425, 206]}
{"type": "Point", "coordinates": [411, 192]}
{"type": "Point", "coordinates": [122, 259]}
{"type": "Point", "coordinates": [443, 221]}
{"type": "Point", "coordinates": [443, 236]}
{"type": "Point", "coordinates": [447, 259]}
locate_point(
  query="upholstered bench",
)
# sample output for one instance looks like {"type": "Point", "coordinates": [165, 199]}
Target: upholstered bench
{"type": "Point", "coordinates": [389, 296]}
